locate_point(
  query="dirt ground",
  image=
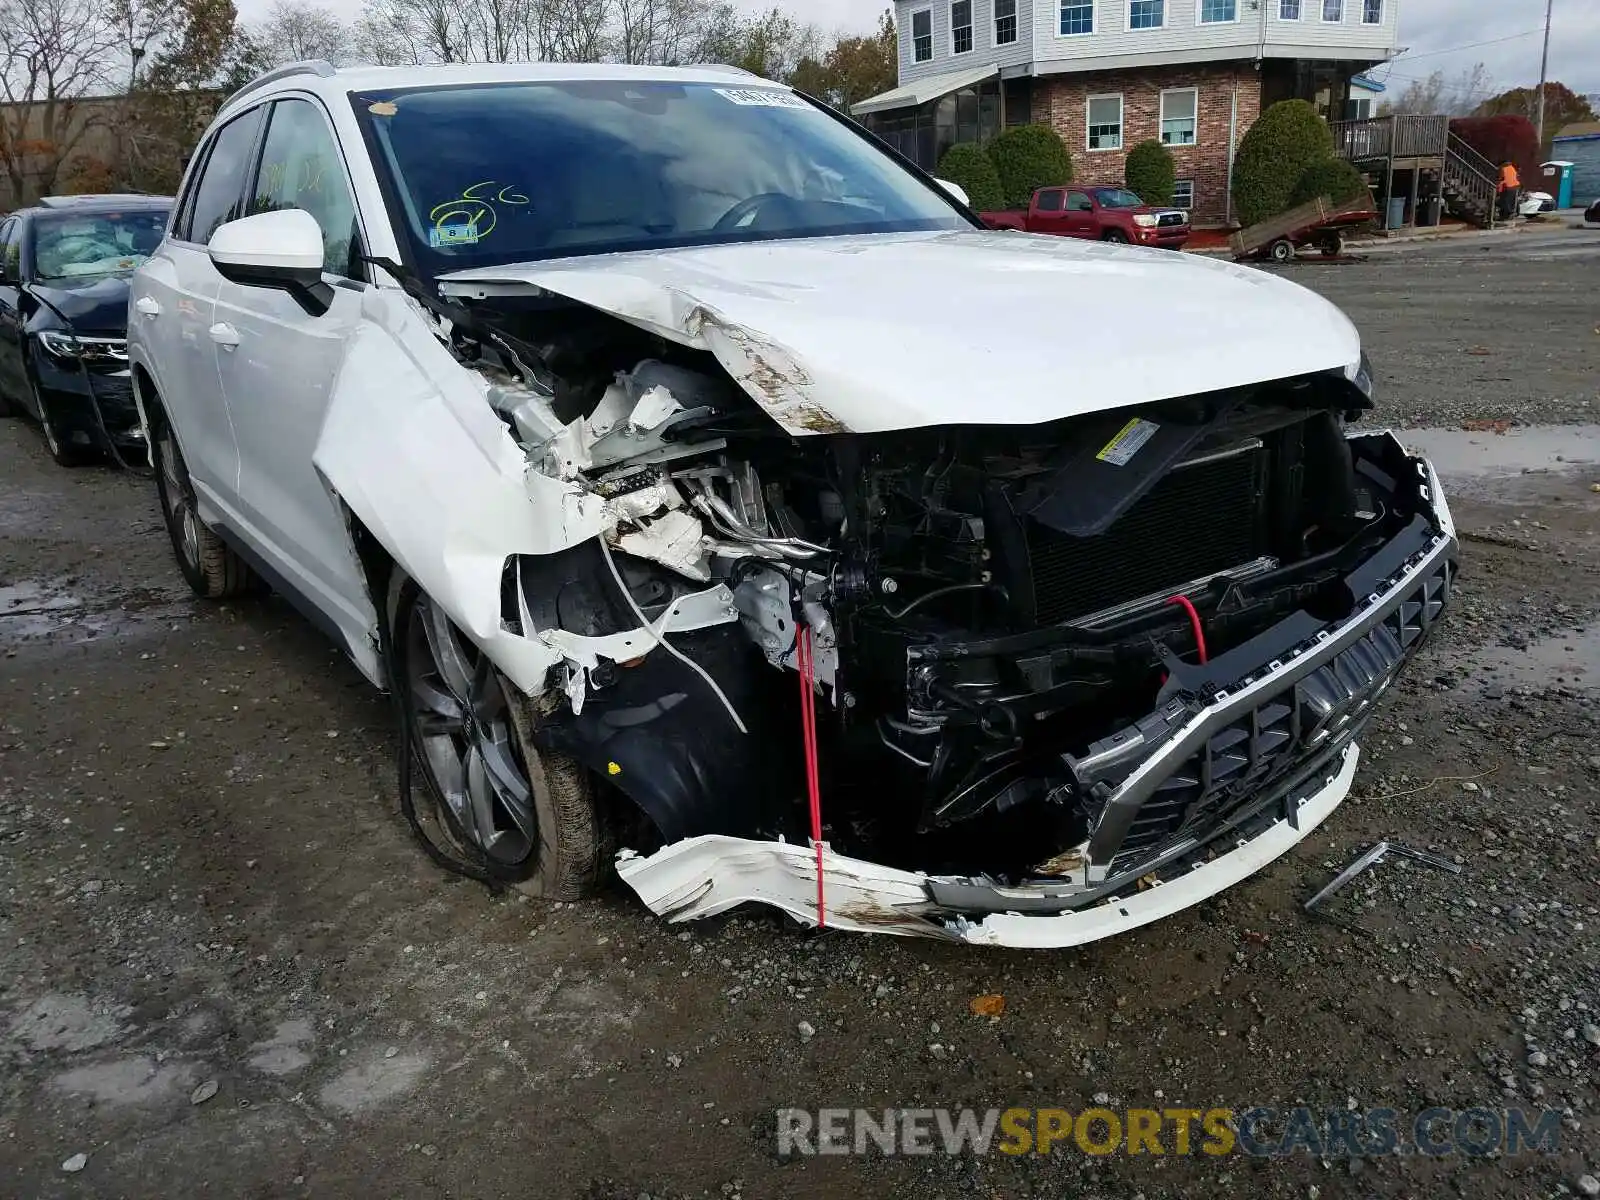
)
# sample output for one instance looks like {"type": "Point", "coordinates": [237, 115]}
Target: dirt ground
{"type": "Point", "coordinates": [205, 887]}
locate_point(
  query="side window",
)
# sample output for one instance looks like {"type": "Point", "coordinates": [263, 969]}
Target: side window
{"type": "Point", "coordinates": [301, 167]}
{"type": "Point", "coordinates": [216, 196]}
{"type": "Point", "coordinates": [1079, 202]}
{"type": "Point", "coordinates": [11, 249]}
{"type": "Point", "coordinates": [1050, 201]}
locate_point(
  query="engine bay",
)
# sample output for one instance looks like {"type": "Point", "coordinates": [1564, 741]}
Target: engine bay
{"type": "Point", "coordinates": [975, 609]}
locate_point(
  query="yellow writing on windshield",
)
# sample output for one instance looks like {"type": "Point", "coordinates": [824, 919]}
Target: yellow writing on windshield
{"type": "Point", "coordinates": [475, 206]}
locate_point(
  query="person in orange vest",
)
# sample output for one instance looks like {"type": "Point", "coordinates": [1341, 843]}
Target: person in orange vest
{"type": "Point", "coordinates": [1510, 183]}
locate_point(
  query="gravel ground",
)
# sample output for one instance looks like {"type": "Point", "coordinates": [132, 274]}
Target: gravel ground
{"type": "Point", "coordinates": [228, 971]}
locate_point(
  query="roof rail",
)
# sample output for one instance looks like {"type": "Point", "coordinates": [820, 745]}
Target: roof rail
{"type": "Point", "coordinates": [716, 66]}
{"type": "Point", "coordinates": [310, 66]}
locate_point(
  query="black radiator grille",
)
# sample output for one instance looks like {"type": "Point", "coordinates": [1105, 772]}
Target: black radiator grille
{"type": "Point", "coordinates": [1172, 218]}
{"type": "Point", "coordinates": [1196, 521]}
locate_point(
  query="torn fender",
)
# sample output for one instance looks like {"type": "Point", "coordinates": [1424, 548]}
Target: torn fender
{"type": "Point", "coordinates": [412, 448]}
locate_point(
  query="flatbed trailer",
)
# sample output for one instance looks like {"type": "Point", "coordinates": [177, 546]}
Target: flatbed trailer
{"type": "Point", "coordinates": [1319, 222]}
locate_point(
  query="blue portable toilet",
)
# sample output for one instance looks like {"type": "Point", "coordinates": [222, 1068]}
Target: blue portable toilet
{"type": "Point", "coordinates": [1556, 178]}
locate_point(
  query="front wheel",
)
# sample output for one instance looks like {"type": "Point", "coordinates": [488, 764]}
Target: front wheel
{"type": "Point", "coordinates": [1332, 244]}
{"type": "Point", "coordinates": [1281, 251]}
{"type": "Point", "coordinates": [62, 451]}
{"type": "Point", "coordinates": [1115, 235]}
{"type": "Point", "coordinates": [496, 805]}
{"type": "Point", "coordinates": [209, 565]}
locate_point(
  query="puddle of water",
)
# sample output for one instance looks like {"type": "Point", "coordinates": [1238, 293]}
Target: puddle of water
{"type": "Point", "coordinates": [34, 609]}
{"type": "Point", "coordinates": [1570, 659]}
{"type": "Point", "coordinates": [1468, 453]}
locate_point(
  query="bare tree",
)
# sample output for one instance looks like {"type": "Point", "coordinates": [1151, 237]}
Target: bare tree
{"type": "Point", "coordinates": [53, 54]}
{"type": "Point", "coordinates": [1452, 95]}
{"type": "Point", "coordinates": [295, 30]}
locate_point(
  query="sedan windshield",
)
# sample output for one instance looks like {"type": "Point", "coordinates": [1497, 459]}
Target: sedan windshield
{"type": "Point", "coordinates": [484, 175]}
{"type": "Point", "coordinates": [1117, 198]}
{"type": "Point", "coordinates": [71, 245]}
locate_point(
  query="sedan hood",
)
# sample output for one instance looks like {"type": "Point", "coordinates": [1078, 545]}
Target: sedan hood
{"type": "Point", "coordinates": [95, 304]}
{"type": "Point", "coordinates": [897, 331]}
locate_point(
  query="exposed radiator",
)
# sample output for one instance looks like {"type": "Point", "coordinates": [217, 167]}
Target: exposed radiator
{"type": "Point", "coordinates": [1196, 521]}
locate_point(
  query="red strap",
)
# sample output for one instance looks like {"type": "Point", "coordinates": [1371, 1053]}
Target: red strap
{"type": "Point", "coordinates": [808, 724]}
{"type": "Point", "coordinates": [1194, 623]}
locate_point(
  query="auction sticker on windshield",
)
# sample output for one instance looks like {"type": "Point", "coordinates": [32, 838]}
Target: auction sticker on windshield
{"type": "Point", "coordinates": [1119, 451]}
{"type": "Point", "coordinates": [761, 97]}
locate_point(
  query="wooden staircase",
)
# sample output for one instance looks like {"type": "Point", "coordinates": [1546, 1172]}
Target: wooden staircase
{"type": "Point", "coordinates": [1466, 180]}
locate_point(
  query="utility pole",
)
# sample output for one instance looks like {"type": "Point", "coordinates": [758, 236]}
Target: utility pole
{"type": "Point", "coordinates": [1544, 66]}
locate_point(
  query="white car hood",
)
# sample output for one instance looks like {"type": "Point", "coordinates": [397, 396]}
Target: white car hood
{"type": "Point", "coordinates": [897, 331]}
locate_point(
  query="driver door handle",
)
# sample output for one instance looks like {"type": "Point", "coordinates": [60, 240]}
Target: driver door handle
{"type": "Point", "coordinates": [225, 335]}
{"type": "Point", "coordinates": [147, 307]}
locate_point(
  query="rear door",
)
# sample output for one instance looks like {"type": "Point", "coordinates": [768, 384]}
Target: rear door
{"type": "Point", "coordinates": [278, 363]}
{"type": "Point", "coordinates": [1047, 212]}
{"type": "Point", "coordinates": [1080, 219]}
{"type": "Point", "coordinates": [174, 293]}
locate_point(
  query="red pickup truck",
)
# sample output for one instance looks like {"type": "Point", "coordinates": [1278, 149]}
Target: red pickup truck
{"type": "Point", "coordinates": [1101, 214]}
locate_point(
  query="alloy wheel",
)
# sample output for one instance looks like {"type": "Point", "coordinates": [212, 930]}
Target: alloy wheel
{"type": "Point", "coordinates": [177, 494]}
{"type": "Point", "coordinates": [462, 720]}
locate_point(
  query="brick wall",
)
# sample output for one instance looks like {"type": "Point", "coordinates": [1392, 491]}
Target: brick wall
{"type": "Point", "coordinates": [1062, 100]}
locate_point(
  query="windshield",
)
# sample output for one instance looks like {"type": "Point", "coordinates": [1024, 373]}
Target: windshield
{"type": "Point", "coordinates": [492, 174]}
{"type": "Point", "coordinates": [1117, 198]}
{"type": "Point", "coordinates": [69, 245]}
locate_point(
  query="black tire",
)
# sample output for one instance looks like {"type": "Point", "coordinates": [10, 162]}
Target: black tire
{"type": "Point", "coordinates": [566, 854]}
{"type": "Point", "coordinates": [63, 452]}
{"type": "Point", "coordinates": [1281, 251]}
{"type": "Point", "coordinates": [210, 566]}
{"type": "Point", "coordinates": [1114, 235]}
{"type": "Point", "coordinates": [1332, 244]}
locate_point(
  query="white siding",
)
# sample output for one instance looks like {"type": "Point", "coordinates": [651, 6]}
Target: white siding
{"type": "Point", "coordinates": [983, 48]}
{"type": "Point", "coordinates": [1182, 32]}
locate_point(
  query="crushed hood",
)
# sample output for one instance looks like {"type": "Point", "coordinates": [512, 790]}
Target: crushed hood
{"type": "Point", "coordinates": [897, 331]}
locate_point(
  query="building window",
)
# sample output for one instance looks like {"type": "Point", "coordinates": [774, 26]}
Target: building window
{"type": "Point", "coordinates": [1178, 112]}
{"type": "Point", "coordinates": [1372, 12]}
{"type": "Point", "coordinates": [1147, 14]}
{"type": "Point", "coordinates": [960, 26]}
{"type": "Point", "coordinates": [1216, 11]}
{"type": "Point", "coordinates": [922, 36]}
{"type": "Point", "coordinates": [1288, 10]}
{"type": "Point", "coordinates": [1076, 17]}
{"type": "Point", "coordinates": [1332, 10]}
{"type": "Point", "coordinates": [1005, 22]}
{"type": "Point", "coordinates": [1359, 109]}
{"type": "Point", "coordinates": [1105, 122]}
{"type": "Point", "coordinates": [1183, 194]}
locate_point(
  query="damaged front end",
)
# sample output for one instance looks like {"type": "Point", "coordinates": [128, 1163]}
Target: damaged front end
{"type": "Point", "coordinates": [1070, 677]}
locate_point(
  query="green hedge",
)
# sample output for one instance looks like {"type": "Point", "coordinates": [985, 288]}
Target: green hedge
{"type": "Point", "coordinates": [1150, 172]}
{"type": "Point", "coordinates": [1332, 177]}
{"type": "Point", "coordinates": [1285, 140]}
{"type": "Point", "coordinates": [974, 170]}
{"type": "Point", "coordinates": [1028, 157]}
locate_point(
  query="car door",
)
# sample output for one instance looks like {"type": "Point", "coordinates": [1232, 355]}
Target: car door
{"type": "Point", "coordinates": [1047, 211]}
{"type": "Point", "coordinates": [173, 296]}
{"type": "Point", "coordinates": [277, 364]}
{"type": "Point", "coordinates": [11, 319]}
{"type": "Point", "coordinates": [1080, 220]}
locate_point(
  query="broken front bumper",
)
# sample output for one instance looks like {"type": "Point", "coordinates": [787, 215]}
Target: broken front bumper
{"type": "Point", "coordinates": [1219, 781]}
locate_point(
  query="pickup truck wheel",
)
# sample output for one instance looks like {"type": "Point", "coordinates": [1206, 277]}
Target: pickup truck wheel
{"type": "Point", "coordinates": [497, 807]}
{"type": "Point", "coordinates": [1332, 244]}
{"type": "Point", "coordinates": [209, 565]}
{"type": "Point", "coordinates": [1281, 251]}
{"type": "Point", "coordinates": [1114, 235]}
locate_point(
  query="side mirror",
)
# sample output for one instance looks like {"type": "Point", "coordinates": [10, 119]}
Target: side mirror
{"type": "Point", "coordinates": [956, 190]}
{"type": "Point", "coordinates": [281, 249]}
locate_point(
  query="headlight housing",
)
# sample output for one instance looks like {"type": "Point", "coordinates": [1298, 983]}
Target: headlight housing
{"type": "Point", "coordinates": [71, 348]}
{"type": "Point", "coordinates": [1360, 374]}
{"type": "Point", "coordinates": [1146, 220]}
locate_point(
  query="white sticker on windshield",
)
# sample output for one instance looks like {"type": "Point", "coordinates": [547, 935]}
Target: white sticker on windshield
{"type": "Point", "coordinates": [761, 97]}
